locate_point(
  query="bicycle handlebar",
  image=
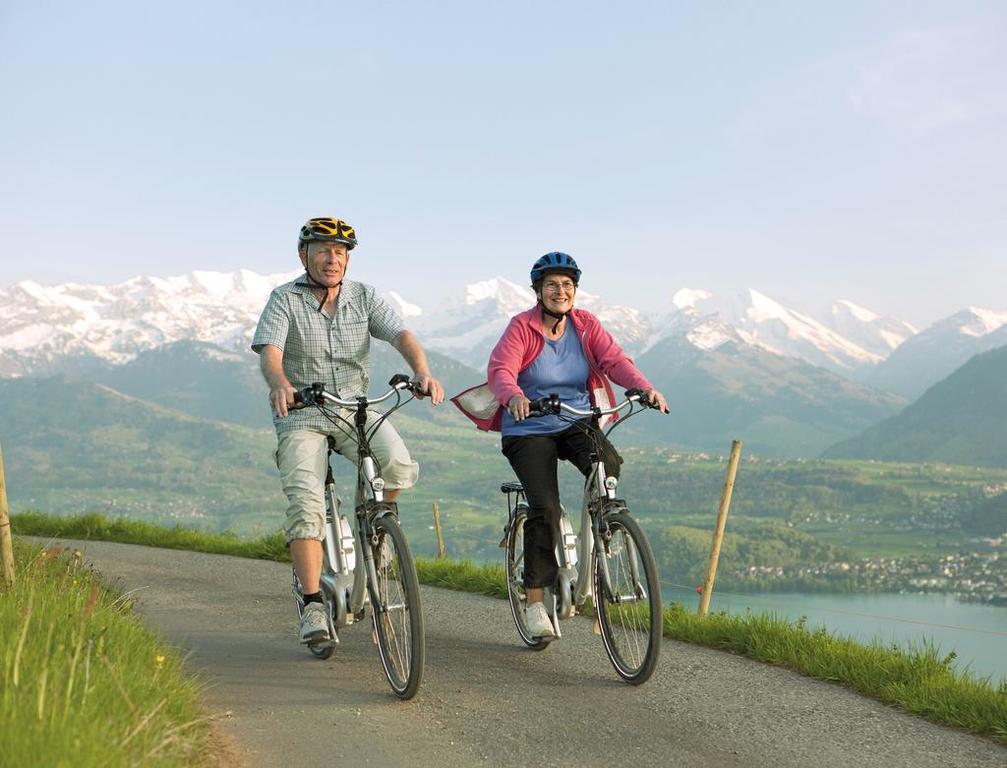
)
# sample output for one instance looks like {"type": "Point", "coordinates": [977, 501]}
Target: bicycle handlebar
{"type": "Point", "coordinates": [317, 395]}
{"type": "Point", "coordinates": [550, 404]}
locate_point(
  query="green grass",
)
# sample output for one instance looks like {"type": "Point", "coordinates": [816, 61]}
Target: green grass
{"type": "Point", "coordinates": [100, 528]}
{"type": "Point", "coordinates": [463, 576]}
{"type": "Point", "coordinates": [82, 682]}
{"type": "Point", "coordinates": [918, 680]}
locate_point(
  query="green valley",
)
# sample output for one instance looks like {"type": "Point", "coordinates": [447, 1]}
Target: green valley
{"type": "Point", "coordinates": [74, 447]}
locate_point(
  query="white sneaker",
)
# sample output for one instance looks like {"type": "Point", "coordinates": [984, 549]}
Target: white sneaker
{"type": "Point", "coordinates": [537, 620]}
{"type": "Point", "coordinates": [314, 624]}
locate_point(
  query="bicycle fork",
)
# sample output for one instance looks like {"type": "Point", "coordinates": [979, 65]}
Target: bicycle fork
{"type": "Point", "coordinates": [599, 498]}
{"type": "Point", "coordinates": [625, 549]}
{"type": "Point", "coordinates": [370, 492]}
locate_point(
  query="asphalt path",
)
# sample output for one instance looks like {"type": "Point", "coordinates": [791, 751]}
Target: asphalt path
{"type": "Point", "coordinates": [488, 701]}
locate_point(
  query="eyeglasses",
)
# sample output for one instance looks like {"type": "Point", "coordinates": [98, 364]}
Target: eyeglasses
{"type": "Point", "coordinates": [554, 287]}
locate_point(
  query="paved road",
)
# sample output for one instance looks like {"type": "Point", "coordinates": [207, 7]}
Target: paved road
{"type": "Point", "coordinates": [487, 701]}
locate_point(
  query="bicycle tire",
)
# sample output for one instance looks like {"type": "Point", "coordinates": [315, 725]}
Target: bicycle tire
{"type": "Point", "coordinates": [395, 608]}
{"type": "Point", "coordinates": [515, 581]}
{"type": "Point", "coordinates": [630, 616]}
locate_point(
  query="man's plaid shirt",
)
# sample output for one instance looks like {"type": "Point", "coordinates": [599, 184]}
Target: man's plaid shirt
{"type": "Point", "coordinates": [336, 351]}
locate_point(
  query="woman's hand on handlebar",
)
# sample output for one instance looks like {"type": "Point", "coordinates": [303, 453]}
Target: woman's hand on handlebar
{"type": "Point", "coordinates": [655, 399]}
{"type": "Point", "coordinates": [280, 398]}
{"type": "Point", "coordinates": [519, 407]}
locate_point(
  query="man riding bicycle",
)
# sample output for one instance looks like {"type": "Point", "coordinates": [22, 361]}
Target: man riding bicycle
{"type": "Point", "coordinates": [318, 328]}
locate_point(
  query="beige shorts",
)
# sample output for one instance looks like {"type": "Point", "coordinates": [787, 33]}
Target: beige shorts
{"type": "Point", "coordinates": [301, 458]}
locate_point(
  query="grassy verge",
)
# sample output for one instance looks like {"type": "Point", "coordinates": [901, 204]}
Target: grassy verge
{"type": "Point", "coordinates": [82, 682]}
{"type": "Point", "coordinates": [101, 528]}
{"type": "Point", "coordinates": [919, 680]}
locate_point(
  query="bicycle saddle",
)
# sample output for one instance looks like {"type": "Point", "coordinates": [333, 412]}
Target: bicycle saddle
{"type": "Point", "coordinates": [511, 487]}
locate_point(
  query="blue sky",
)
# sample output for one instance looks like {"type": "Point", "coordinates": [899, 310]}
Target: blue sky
{"type": "Point", "coordinates": [813, 151]}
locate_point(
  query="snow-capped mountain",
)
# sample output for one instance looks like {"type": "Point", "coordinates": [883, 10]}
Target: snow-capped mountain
{"type": "Point", "coordinates": [39, 324]}
{"type": "Point", "coordinates": [468, 329]}
{"type": "Point", "coordinates": [763, 322]}
{"type": "Point", "coordinates": [43, 327]}
{"type": "Point", "coordinates": [409, 311]}
{"type": "Point", "coordinates": [935, 352]}
{"type": "Point", "coordinates": [695, 318]}
{"type": "Point", "coordinates": [870, 331]}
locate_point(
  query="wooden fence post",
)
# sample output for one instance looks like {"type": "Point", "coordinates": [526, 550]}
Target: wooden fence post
{"type": "Point", "coordinates": [6, 550]}
{"type": "Point", "coordinates": [718, 533]}
{"type": "Point", "coordinates": [437, 530]}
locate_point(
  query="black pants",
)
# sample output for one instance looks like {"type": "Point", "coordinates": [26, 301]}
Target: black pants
{"type": "Point", "coordinates": [535, 459]}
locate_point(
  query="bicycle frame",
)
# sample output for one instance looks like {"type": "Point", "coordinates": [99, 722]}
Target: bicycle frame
{"type": "Point", "coordinates": [348, 563]}
{"type": "Point", "coordinates": [574, 586]}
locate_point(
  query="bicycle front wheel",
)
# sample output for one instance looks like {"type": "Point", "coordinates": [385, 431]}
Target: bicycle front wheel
{"type": "Point", "coordinates": [629, 604]}
{"type": "Point", "coordinates": [515, 580]}
{"type": "Point", "coordinates": [396, 612]}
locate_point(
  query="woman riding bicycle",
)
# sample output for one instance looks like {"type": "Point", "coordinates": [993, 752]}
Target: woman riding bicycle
{"type": "Point", "coordinates": [550, 348]}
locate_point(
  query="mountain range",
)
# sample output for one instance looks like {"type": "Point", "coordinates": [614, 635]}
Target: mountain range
{"type": "Point", "coordinates": [733, 366]}
{"type": "Point", "coordinates": [43, 325]}
{"type": "Point", "coordinates": [928, 357]}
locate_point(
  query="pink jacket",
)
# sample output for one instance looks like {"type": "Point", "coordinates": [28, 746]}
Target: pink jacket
{"type": "Point", "coordinates": [520, 345]}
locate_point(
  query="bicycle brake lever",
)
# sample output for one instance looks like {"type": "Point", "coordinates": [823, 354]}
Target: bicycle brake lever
{"type": "Point", "coordinates": [397, 379]}
{"type": "Point", "coordinates": [308, 396]}
{"type": "Point", "coordinates": [639, 394]}
{"type": "Point", "coordinates": [544, 406]}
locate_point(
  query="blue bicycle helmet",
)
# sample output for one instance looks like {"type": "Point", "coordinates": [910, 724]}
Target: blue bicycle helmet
{"type": "Point", "coordinates": [555, 262]}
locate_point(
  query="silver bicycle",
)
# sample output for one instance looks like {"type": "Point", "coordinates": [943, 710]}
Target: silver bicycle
{"type": "Point", "coordinates": [368, 563]}
{"type": "Point", "coordinates": [619, 573]}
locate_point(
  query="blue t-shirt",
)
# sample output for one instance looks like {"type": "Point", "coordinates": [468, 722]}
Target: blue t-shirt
{"type": "Point", "coordinates": [560, 368]}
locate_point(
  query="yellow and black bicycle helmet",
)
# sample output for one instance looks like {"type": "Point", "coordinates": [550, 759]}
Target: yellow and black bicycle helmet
{"type": "Point", "coordinates": [328, 230]}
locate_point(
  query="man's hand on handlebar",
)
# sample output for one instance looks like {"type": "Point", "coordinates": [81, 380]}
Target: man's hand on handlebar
{"type": "Point", "coordinates": [280, 398]}
{"type": "Point", "coordinates": [427, 386]}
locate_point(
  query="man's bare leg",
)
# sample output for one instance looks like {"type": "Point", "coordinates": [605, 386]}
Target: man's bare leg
{"type": "Point", "coordinates": [307, 557]}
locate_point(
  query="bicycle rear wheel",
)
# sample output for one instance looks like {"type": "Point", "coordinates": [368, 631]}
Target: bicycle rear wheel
{"type": "Point", "coordinates": [515, 580]}
{"type": "Point", "coordinates": [395, 609]}
{"type": "Point", "coordinates": [629, 607]}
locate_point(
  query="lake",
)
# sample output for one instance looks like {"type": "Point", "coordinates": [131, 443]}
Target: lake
{"type": "Point", "coordinates": [977, 633]}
